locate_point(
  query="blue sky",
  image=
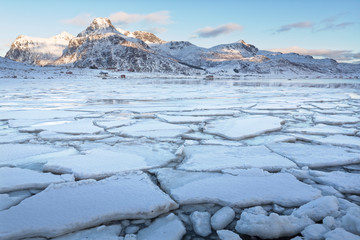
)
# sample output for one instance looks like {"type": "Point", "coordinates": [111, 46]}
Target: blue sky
{"type": "Point", "coordinates": [324, 28]}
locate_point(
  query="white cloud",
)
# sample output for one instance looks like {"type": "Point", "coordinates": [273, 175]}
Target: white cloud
{"type": "Point", "coordinates": [80, 20]}
{"type": "Point", "coordinates": [288, 27]}
{"type": "Point", "coordinates": [339, 55]}
{"type": "Point", "coordinates": [161, 17]}
{"type": "Point", "coordinates": [208, 32]}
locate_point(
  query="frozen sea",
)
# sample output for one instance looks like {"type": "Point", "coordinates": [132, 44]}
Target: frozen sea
{"type": "Point", "coordinates": [179, 159]}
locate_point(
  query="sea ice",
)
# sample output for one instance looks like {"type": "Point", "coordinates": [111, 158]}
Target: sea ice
{"type": "Point", "coordinates": [83, 126]}
{"type": "Point", "coordinates": [153, 129]}
{"type": "Point", "coordinates": [314, 232]}
{"type": "Point", "coordinates": [14, 179]}
{"type": "Point", "coordinates": [272, 226]}
{"type": "Point", "coordinates": [245, 127]}
{"type": "Point", "coordinates": [340, 140]}
{"type": "Point", "coordinates": [213, 158]}
{"type": "Point", "coordinates": [100, 163]}
{"type": "Point", "coordinates": [201, 223]}
{"type": "Point", "coordinates": [319, 208]}
{"type": "Point", "coordinates": [241, 191]}
{"type": "Point", "coordinates": [7, 200]}
{"type": "Point", "coordinates": [323, 129]}
{"type": "Point", "coordinates": [222, 218]}
{"type": "Point", "coordinates": [351, 221]}
{"type": "Point", "coordinates": [114, 123]}
{"type": "Point", "coordinates": [340, 233]}
{"type": "Point", "coordinates": [335, 120]}
{"type": "Point", "coordinates": [102, 232]}
{"type": "Point", "coordinates": [227, 235]}
{"type": "Point", "coordinates": [342, 181]}
{"type": "Point", "coordinates": [315, 156]}
{"type": "Point", "coordinates": [182, 119]}
{"type": "Point", "coordinates": [169, 228]}
{"type": "Point", "coordinates": [88, 203]}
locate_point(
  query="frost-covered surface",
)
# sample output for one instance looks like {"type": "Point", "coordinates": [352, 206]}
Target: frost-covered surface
{"type": "Point", "coordinates": [153, 132]}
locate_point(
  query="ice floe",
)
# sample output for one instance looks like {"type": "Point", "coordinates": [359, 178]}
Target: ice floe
{"type": "Point", "coordinates": [230, 190]}
{"type": "Point", "coordinates": [341, 140]}
{"type": "Point", "coordinates": [323, 129]}
{"type": "Point", "coordinates": [342, 181]}
{"type": "Point", "coordinates": [222, 218]}
{"type": "Point", "coordinates": [227, 235]}
{"type": "Point", "coordinates": [8, 200]}
{"type": "Point", "coordinates": [335, 119]}
{"type": "Point", "coordinates": [153, 129]}
{"type": "Point", "coordinates": [88, 203]}
{"type": "Point", "coordinates": [201, 223]}
{"type": "Point", "coordinates": [245, 127]}
{"type": "Point", "coordinates": [272, 226]}
{"type": "Point", "coordinates": [212, 158]}
{"type": "Point", "coordinates": [102, 232]}
{"type": "Point", "coordinates": [340, 233]}
{"type": "Point", "coordinates": [169, 228]}
{"type": "Point", "coordinates": [315, 156]}
{"type": "Point", "coordinates": [100, 163]}
{"type": "Point", "coordinates": [14, 179]}
{"type": "Point", "coordinates": [182, 119]}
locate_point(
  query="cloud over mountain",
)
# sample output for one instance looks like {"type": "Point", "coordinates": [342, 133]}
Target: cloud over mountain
{"type": "Point", "coordinates": [208, 32]}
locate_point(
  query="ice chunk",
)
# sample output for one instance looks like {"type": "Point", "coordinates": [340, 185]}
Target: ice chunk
{"type": "Point", "coordinates": [84, 126]}
{"type": "Point", "coordinates": [212, 158]}
{"type": "Point", "coordinates": [342, 181]}
{"type": "Point", "coordinates": [340, 233]}
{"type": "Point", "coordinates": [222, 218]}
{"type": "Point", "coordinates": [14, 179]}
{"type": "Point", "coordinates": [245, 127]}
{"type": "Point", "coordinates": [335, 120]}
{"type": "Point", "coordinates": [246, 172]}
{"type": "Point", "coordinates": [182, 119]}
{"type": "Point", "coordinates": [102, 232]}
{"type": "Point", "coordinates": [228, 190]}
{"type": "Point", "coordinates": [169, 228]}
{"type": "Point", "coordinates": [351, 221]}
{"type": "Point", "coordinates": [272, 226]}
{"type": "Point", "coordinates": [37, 114]}
{"type": "Point", "coordinates": [53, 136]}
{"type": "Point", "coordinates": [322, 129]}
{"type": "Point", "coordinates": [318, 209]}
{"type": "Point", "coordinates": [7, 200]}
{"type": "Point", "coordinates": [340, 140]}
{"type": "Point", "coordinates": [260, 140]}
{"type": "Point", "coordinates": [100, 163]}
{"type": "Point", "coordinates": [227, 235]}
{"type": "Point", "coordinates": [314, 232]}
{"type": "Point", "coordinates": [12, 152]}
{"type": "Point", "coordinates": [153, 129]}
{"type": "Point", "coordinates": [107, 124]}
{"type": "Point", "coordinates": [201, 223]}
{"type": "Point", "coordinates": [88, 203]}
{"type": "Point", "coordinates": [315, 156]}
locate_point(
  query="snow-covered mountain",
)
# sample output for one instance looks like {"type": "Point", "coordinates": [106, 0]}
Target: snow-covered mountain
{"type": "Point", "coordinates": [101, 45]}
{"type": "Point", "coordinates": [38, 51]}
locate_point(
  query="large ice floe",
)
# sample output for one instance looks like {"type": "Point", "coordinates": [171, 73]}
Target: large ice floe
{"type": "Point", "coordinates": [245, 127]}
{"type": "Point", "coordinates": [63, 208]}
{"type": "Point", "coordinates": [100, 163]}
{"type": "Point", "coordinates": [239, 191]}
{"type": "Point", "coordinates": [214, 158]}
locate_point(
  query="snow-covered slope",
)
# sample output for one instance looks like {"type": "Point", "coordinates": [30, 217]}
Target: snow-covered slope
{"type": "Point", "coordinates": [39, 51]}
{"type": "Point", "coordinates": [101, 45]}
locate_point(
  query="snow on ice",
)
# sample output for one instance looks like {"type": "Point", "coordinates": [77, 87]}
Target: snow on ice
{"type": "Point", "coordinates": [63, 208]}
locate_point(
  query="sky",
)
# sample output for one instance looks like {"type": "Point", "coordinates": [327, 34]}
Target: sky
{"type": "Point", "coordinates": [322, 28]}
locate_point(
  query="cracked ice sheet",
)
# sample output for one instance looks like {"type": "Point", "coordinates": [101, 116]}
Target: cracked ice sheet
{"type": "Point", "coordinates": [111, 232]}
{"type": "Point", "coordinates": [14, 179]}
{"type": "Point", "coordinates": [153, 129]}
{"type": "Point", "coordinates": [36, 114]}
{"type": "Point", "coordinates": [244, 127]}
{"type": "Point", "coordinates": [335, 120]}
{"type": "Point", "coordinates": [342, 181]}
{"type": "Point", "coordinates": [18, 154]}
{"type": "Point", "coordinates": [182, 119]}
{"type": "Point", "coordinates": [100, 163]}
{"type": "Point", "coordinates": [214, 158]}
{"type": "Point", "coordinates": [84, 126]}
{"type": "Point", "coordinates": [322, 129]}
{"type": "Point", "coordinates": [315, 156]}
{"type": "Point", "coordinates": [240, 191]}
{"type": "Point", "coordinates": [340, 140]}
{"type": "Point", "coordinates": [131, 196]}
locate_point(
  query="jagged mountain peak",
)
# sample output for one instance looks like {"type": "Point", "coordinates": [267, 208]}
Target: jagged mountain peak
{"type": "Point", "coordinates": [99, 26]}
{"type": "Point", "coordinates": [147, 37]}
{"type": "Point", "coordinates": [64, 35]}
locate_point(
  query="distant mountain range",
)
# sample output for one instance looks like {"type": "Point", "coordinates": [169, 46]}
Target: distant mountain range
{"type": "Point", "coordinates": [101, 45]}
